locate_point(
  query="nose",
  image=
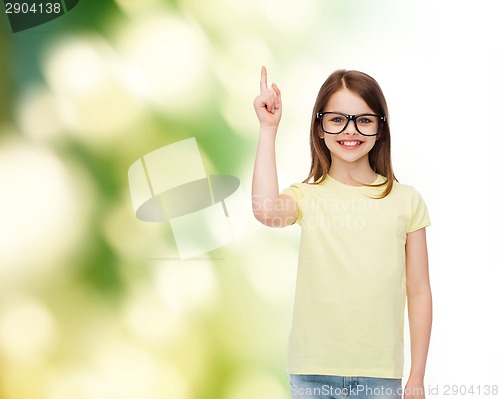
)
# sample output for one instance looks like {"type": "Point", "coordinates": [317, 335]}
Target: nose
{"type": "Point", "coordinates": [351, 127]}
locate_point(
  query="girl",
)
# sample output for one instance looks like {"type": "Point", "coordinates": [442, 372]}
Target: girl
{"type": "Point", "coordinates": [362, 251]}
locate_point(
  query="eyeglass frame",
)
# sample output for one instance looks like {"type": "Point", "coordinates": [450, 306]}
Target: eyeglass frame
{"type": "Point", "coordinates": [353, 118]}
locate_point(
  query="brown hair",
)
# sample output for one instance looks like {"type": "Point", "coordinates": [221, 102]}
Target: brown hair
{"type": "Point", "coordinates": [380, 155]}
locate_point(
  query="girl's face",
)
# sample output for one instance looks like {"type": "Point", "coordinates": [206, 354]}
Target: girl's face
{"type": "Point", "coordinates": [341, 145]}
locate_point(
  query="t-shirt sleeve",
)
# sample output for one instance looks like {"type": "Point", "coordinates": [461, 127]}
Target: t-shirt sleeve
{"type": "Point", "coordinates": [420, 215]}
{"type": "Point", "coordinates": [297, 193]}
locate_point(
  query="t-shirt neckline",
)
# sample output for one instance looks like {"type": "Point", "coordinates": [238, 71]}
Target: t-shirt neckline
{"type": "Point", "coordinates": [378, 180]}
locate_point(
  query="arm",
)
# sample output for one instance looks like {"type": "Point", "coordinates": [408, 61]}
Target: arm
{"type": "Point", "coordinates": [419, 296]}
{"type": "Point", "coordinates": [269, 207]}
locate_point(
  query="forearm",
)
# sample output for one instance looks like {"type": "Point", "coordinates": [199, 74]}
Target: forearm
{"type": "Point", "coordinates": [420, 319]}
{"type": "Point", "coordinates": [265, 190]}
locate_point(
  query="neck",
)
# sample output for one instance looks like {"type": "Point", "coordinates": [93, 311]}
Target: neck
{"type": "Point", "coordinates": [349, 172]}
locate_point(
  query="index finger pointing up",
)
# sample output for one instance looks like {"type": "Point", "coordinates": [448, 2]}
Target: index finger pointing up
{"type": "Point", "coordinates": [263, 79]}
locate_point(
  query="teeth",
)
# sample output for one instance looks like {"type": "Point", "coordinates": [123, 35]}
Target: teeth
{"type": "Point", "coordinates": [350, 143]}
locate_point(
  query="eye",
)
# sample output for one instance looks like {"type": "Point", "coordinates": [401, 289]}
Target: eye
{"type": "Point", "coordinates": [336, 119]}
{"type": "Point", "coordinates": [366, 119]}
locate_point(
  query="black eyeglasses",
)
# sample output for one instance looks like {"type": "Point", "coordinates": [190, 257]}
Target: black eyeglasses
{"type": "Point", "coordinates": [336, 122]}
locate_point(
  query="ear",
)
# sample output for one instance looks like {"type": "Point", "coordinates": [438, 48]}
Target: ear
{"type": "Point", "coordinates": [321, 133]}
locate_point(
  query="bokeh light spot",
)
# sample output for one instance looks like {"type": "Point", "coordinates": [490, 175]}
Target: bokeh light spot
{"type": "Point", "coordinates": [37, 113]}
{"type": "Point", "coordinates": [27, 330]}
{"type": "Point", "coordinates": [42, 211]}
{"type": "Point", "coordinates": [186, 286]}
{"type": "Point", "coordinates": [90, 85]}
{"type": "Point", "coordinates": [169, 56]}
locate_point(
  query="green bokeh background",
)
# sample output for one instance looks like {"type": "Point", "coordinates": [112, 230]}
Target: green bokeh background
{"type": "Point", "coordinates": [93, 303]}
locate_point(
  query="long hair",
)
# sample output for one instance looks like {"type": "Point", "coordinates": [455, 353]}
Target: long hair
{"type": "Point", "coordinates": [380, 155]}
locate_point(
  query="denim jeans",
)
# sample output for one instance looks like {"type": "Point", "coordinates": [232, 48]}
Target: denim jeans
{"type": "Point", "coordinates": [304, 386]}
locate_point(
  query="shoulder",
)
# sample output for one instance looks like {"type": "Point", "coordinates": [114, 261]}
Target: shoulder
{"type": "Point", "coordinates": [404, 189]}
{"type": "Point", "coordinates": [408, 196]}
{"type": "Point", "coordinates": [405, 196]}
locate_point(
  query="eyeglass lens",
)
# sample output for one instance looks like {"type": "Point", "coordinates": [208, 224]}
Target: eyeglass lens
{"type": "Point", "coordinates": [335, 123]}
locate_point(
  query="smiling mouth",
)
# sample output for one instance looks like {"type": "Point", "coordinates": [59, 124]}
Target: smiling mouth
{"type": "Point", "coordinates": [350, 143]}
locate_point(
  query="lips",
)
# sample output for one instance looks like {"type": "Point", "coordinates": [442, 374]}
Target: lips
{"type": "Point", "coordinates": [350, 144]}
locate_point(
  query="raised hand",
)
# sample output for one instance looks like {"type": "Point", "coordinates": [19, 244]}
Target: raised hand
{"type": "Point", "coordinates": [268, 103]}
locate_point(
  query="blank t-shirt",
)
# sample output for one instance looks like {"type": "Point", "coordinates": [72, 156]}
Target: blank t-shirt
{"type": "Point", "coordinates": [350, 298]}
